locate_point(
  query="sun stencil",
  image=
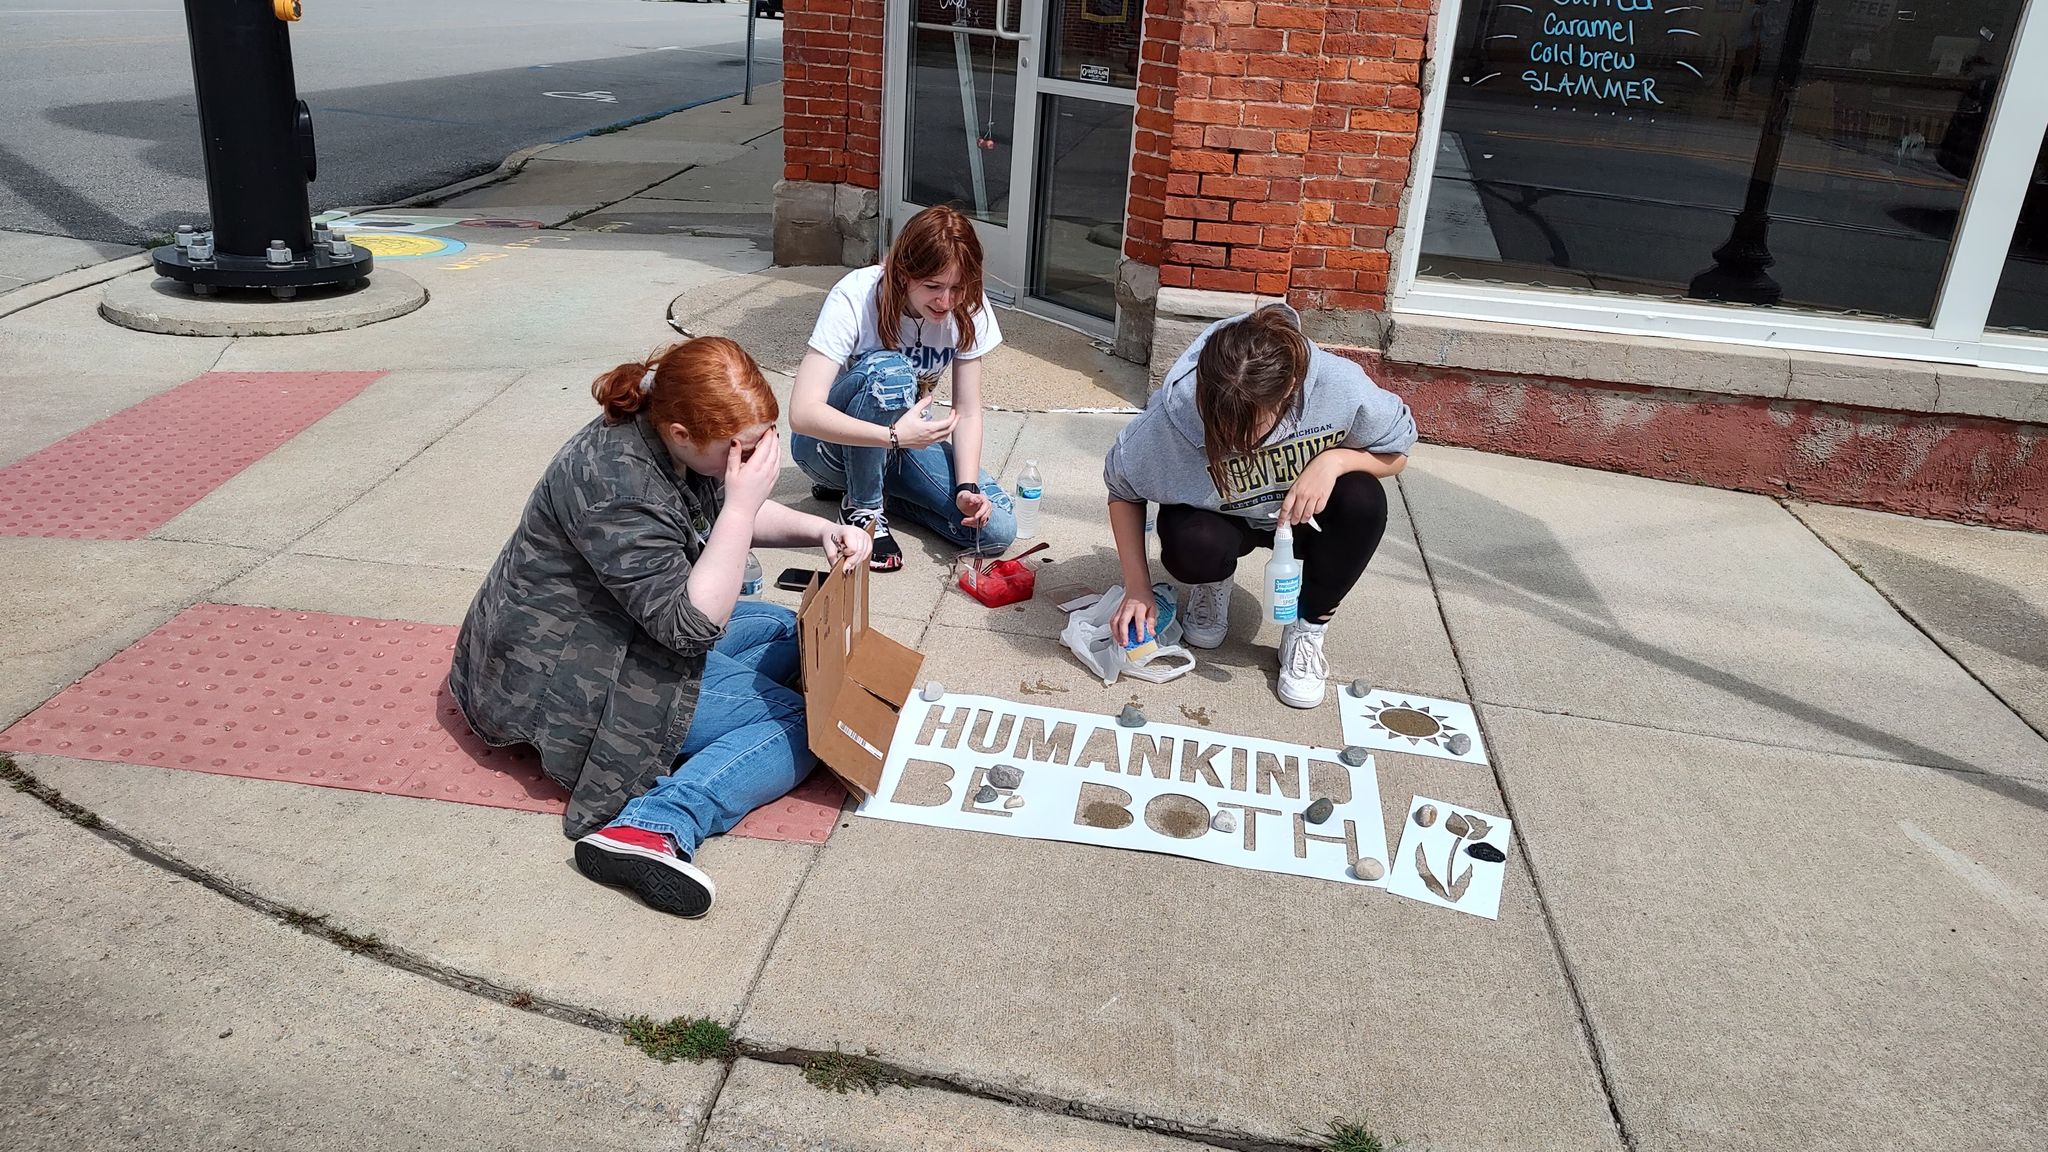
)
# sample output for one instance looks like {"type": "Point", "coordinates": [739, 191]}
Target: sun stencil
{"type": "Point", "coordinates": [1402, 722]}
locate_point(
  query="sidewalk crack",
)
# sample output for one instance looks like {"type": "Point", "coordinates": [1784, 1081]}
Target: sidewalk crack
{"type": "Point", "coordinates": [1907, 615]}
{"type": "Point", "coordinates": [1555, 930]}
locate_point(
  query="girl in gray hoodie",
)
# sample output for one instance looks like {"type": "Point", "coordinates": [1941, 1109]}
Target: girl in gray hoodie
{"type": "Point", "coordinates": [1256, 427]}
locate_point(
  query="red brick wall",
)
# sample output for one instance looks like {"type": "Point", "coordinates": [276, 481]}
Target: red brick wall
{"type": "Point", "coordinates": [1368, 107]}
{"type": "Point", "coordinates": [832, 91]}
{"type": "Point", "coordinates": [1158, 79]}
{"type": "Point", "coordinates": [1291, 129]}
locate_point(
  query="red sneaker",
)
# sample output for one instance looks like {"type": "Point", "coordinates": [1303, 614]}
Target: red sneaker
{"type": "Point", "coordinates": [647, 863]}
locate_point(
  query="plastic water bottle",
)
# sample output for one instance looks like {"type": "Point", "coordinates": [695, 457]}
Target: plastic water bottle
{"type": "Point", "coordinates": [1283, 578]}
{"type": "Point", "coordinates": [750, 584]}
{"type": "Point", "coordinates": [1030, 487]}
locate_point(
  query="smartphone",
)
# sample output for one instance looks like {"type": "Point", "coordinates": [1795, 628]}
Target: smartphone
{"type": "Point", "coordinates": [797, 579]}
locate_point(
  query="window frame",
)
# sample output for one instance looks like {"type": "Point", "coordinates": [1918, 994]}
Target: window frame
{"type": "Point", "coordinates": [1955, 334]}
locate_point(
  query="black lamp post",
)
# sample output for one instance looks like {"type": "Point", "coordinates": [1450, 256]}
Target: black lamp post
{"type": "Point", "coordinates": [258, 141]}
{"type": "Point", "coordinates": [1738, 275]}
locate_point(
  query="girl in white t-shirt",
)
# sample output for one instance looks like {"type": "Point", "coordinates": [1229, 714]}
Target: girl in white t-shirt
{"type": "Point", "coordinates": [861, 412]}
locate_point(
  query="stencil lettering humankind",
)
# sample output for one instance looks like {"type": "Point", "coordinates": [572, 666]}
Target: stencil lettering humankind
{"type": "Point", "coordinates": [1597, 51]}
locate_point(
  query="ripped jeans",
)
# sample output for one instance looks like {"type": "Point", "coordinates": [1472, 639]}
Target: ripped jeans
{"type": "Point", "coordinates": [917, 483]}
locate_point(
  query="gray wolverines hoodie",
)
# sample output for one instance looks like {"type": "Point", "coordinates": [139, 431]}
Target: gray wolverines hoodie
{"type": "Point", "coordinates": [1159, 458]}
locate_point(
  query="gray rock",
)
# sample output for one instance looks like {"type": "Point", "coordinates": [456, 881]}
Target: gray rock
{"type": "Point", "coordinates": [1354, 756]}
{"type": "Point", "coordinates": [1131, 717]}
{"type": "Point", "coordinates": [932, 691]}
{"type": "Point", "coordinates": [1224, 820]}
{"type": "Point", "coordinates": [1426, 815]}
{"type": "Point", "coordinates": [1320, 810]}
{"type": "Point", "coordinates": [1459, 744]}
{"type": "Point", "coordinates": [1006, 775]}
{"type": "Point", "coordinates": [987, 795]}
{"type": "Point", "coordinates": [1359, 688]}
{"type": "Point", "coordinates": [1368, 869]}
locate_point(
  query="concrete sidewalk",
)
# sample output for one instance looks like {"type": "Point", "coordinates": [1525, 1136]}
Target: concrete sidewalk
{"type": "Point", "coordinates": [1777, 774]}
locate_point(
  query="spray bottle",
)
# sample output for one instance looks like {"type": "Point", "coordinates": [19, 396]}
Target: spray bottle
{"type": "Point", "coordinates": [1283, 578]}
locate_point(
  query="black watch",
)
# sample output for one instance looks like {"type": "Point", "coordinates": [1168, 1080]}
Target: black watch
{"type": "Point", "coordinates": [966, 486]}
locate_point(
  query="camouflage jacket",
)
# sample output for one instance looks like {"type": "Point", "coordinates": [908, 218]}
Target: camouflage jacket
{"type": "Point", "coordinates": [582, 641]}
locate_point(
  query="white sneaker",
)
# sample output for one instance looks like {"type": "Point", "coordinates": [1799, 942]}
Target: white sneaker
{"type": "Point", "coordinates": [1304, 674]}
{"type": "Point", "coordinates": [1208, 614]}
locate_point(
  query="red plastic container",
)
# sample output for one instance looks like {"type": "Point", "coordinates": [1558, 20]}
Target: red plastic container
{"type": "Point", "coordinates": [1003, 582]}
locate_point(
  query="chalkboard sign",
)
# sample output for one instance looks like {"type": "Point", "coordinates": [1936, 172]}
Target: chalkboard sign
{"type": "Point", "coordinates": [1613, 54]}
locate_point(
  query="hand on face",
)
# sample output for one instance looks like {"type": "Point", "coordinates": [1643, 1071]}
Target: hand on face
{"type": "Point", "coordinates": [750, 478]}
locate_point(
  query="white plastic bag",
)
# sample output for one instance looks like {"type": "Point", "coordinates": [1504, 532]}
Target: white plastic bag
{"type": "Point", "coordinates": [1088, 634]}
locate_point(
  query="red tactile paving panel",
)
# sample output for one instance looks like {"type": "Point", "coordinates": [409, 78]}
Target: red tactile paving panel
{"type": "Point", "coordinates": [337, 701]}
{"type": "Point", "coordinates": [129, 474]}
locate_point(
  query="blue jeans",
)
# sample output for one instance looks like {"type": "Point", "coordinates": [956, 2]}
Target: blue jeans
{"type": "Point", "coordinates": [917, 482]}
{"type": "Point", "coordinates": [746, 745]}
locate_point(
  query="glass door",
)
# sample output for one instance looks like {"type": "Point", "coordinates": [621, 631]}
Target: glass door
{"type": "Point", "coordinates": [1018, 112]}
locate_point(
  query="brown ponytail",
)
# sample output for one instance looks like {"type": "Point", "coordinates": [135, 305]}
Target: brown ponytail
{"type": "Point", "coordinates": [708, 385]}
{"type": "Point", "coordinates": [1247, 372]}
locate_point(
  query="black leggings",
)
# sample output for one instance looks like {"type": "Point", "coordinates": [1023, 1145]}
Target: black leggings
{"type": "Point", "coordinates": [1203, 547]}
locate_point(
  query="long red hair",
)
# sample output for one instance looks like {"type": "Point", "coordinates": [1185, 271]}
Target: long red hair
{"type": "Point", "coordinates": [708, 385]}
{"type": "Point", "coordinates": [938, 238]}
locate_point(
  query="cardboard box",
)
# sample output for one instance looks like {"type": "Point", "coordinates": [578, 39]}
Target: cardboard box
{"type": "Point", "coordinates": [855, 680]}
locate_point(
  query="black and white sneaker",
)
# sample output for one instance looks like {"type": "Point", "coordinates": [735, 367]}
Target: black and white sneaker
{"type": "Point", "coordinates": [888, 554]}
{"type": "Point", "coordinates": [825, 494]}
{"type": "Point", "coordinates": [648, 864]}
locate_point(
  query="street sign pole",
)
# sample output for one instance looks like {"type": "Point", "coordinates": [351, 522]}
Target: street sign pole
{"type": "Point", "coordinates": [753, 8]}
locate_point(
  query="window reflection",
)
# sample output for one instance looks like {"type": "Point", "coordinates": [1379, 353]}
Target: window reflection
{"type": "Point", "coordinates": [1810, 153]}
{"type": "Point", "coordinates": [1085, 151]}
{"type": "Point", "coordinates": [963, 92]}
{"type": "Point", "coordinates": [2022, 299]}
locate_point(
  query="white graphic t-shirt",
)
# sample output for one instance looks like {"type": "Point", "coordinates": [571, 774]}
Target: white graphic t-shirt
{"type": "Point", "coordinates": [846, 329]}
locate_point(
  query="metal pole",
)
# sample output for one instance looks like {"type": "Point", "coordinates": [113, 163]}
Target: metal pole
{"type": "Point", "coordinates": [1738, 275]}
{"type": "Point", "coordinates": [753, 7]}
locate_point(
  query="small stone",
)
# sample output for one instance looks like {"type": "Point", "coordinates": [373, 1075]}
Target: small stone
{"type": "Point", "coordinates": [1320, 810]}
{"type": "Point", "coordinates": [1459, 744]}
{"type": "Point", "coordinates": [1131, 717]}
{"type": "Point", "coordinates": [228, 1033]}
{"type": "Point", "coordinates": [932, 691]}
{"type": "Point", "coordinates": [1006, 775]}
{"type": "Point", "coordinates": [987, 795]}
{"type": "Point", "coordinates": [1426, 815]}
{"type": "Point", "coordinates": [1368, 869]}
{"type": "Point", "coordinates": [1481, 850]}
{"type": "Point", "coordinates": [1359, 688]}
{"type": "Point", "coordinates": [1354, 756]}
{"type": "Point", "coordinates": [1224, 820]}
{"type": "Point", "coordinates": [1013, 801]}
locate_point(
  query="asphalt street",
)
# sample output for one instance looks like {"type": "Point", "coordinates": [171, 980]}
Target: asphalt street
{"type": "Point", "coordinates": [99, 134]}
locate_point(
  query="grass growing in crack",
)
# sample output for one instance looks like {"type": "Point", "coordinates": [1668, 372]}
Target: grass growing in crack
{"type": "Point", "coordinates": [314, 924]}
{"type": "Point", "coordinates": [1342, 1135]}
{"type": "Point", "coordinates": [521, 1000]}
{"type": "Point", "coordinates": [680, 1039]}
{"type": "Point", "coordinates": [844, 1072]}
{"type": "Point", "coordinates": [21, 781]}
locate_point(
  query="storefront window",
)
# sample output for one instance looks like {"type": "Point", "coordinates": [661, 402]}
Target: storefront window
{"type": "Point", "coordinates": [1094, 41]}
{"type": "Point", "coordinates": [2022, 300]}
{"type": "Point", "coordinates": [1084, 155]}
{"type": "Point", "coordinates": [1812, 154]}
{"type": "Point", "coordinates": [963, 111]}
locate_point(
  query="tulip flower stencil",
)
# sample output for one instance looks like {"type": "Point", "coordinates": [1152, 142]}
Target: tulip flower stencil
{"type": "Point", "coordinates": [1462, 827]}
